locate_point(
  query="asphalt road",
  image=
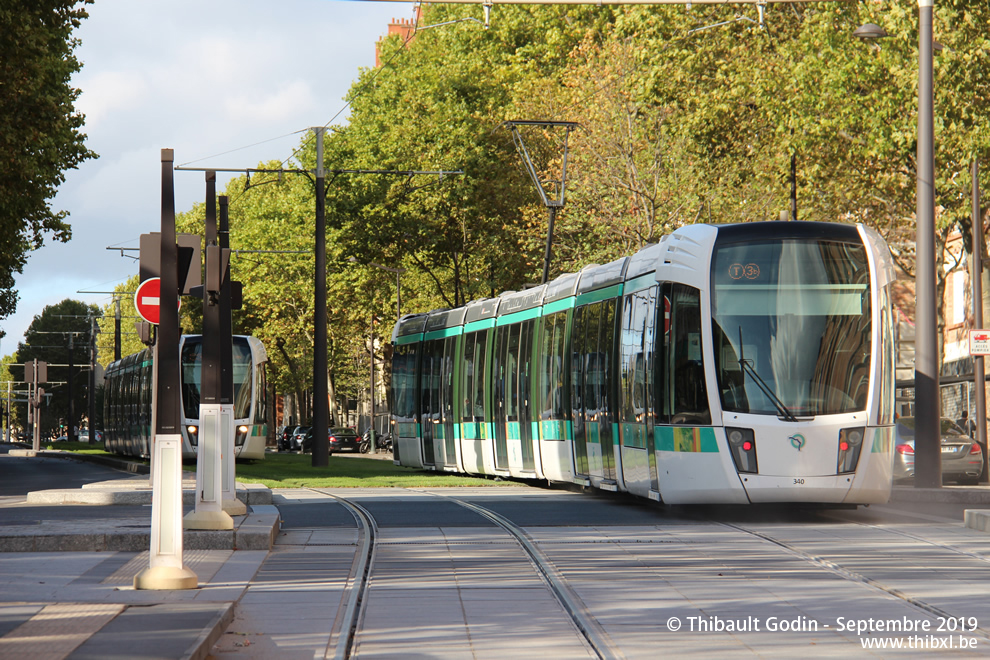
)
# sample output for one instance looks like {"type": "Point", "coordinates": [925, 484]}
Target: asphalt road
{"type": "Point", "coordinates": [19, 476]}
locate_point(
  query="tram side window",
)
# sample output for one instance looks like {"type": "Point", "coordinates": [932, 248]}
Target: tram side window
{"type": "Point", "coordinates": [261, 410]}
{"type": "Point", "coordinates": [242, 378]}
{"type": "Point", "coordinates": [510, 366]}
{"type": "Point", "coordinates": [430, 373]}
{"type": "Point", "coordinates": [192, 359]}
{"type": "Point", "coordinates": [473, 384]}
{"type": "Point", "coordinates": [634, 362]}
{"type": "Point", "coordinates": [447, 378]}
{"type": "Point", "coordinates": [686, 401]}
{"type": "Point", "coordinates": [577, 366]}
{"type": "Point", "coordinates": [404, 381]}
{"type": "Point", "coordinates": [553, 393]}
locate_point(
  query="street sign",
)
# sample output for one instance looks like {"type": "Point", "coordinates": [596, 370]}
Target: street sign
{"type": "Point", "coordinates": [147, 300]}
{"type": "Point", "coordinates": [979, 342]}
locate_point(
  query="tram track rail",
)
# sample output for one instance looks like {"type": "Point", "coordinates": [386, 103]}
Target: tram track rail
{"type": "Point", "coordinates": [572, 604]}
{"type": "Point", "coordinates": [356, 592]}
{"type": "Point", "coordinates": [855, 576]}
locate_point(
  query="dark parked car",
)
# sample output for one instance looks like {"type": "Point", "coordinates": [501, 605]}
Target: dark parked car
{"type": "Point", "coordinates": [340, 438]}
{"type": "Point", "coordinates": [298, 435]}
{"type": "Point", "coordinates": [284, 438]}
{"type": "Point", "coordinates": [962, 458]}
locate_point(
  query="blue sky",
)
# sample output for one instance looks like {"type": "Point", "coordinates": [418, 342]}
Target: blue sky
{"type": "Point", "coordinates": [205, 79]}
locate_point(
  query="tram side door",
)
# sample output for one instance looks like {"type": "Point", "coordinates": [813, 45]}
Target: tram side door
{"type": "Point", "coordinates": [447, 400]}
{"type": "Point", "coordinates": [578, 359]}
{"type": "Point", "coordinates": [500, 397]}
{"type": "Point", "coordinates": [430, 398]}
{"type": "Point", "coordinates": [657, 325]}
{"type": "Point", "coordinates": [526, 393]}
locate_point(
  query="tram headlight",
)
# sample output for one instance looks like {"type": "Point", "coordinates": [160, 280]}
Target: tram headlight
{"type": "Point", "coordinates": [241, 436]}
{"type": "Point", "coordinates": [742, 446]}
{"type": "Point", "coordinates": [850, 447]}
{"type": "Point", "coordinates": [193, 433]}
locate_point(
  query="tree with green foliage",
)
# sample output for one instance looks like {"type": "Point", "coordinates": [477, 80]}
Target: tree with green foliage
{"type": "Point", "coordinates": [60, 336]}
{"type": "Point", "coordinates": [40, 130]}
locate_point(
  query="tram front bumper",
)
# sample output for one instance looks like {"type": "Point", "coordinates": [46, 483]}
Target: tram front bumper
{"type": "Point", "coordinates": [826, 490]}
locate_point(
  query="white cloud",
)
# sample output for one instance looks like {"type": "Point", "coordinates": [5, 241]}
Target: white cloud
{"type": "Point", "coordinates": [202, 79]}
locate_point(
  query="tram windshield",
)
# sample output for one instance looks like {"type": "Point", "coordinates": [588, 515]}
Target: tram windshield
{"type": "Point", "coordinates": [791, 326]}
{"type": "Point", "coordinates": [192, 358]}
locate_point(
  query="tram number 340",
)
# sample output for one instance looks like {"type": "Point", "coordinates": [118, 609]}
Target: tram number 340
{"type": "Point", "coordinates": [799, 482]}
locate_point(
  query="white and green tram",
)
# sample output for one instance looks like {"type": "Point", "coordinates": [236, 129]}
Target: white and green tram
{"type": "Point", "coordinates": [726, 364]}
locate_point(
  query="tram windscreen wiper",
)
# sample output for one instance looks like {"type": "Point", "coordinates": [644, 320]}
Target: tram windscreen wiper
{"type": "Point", "coordinates": [748, 368]}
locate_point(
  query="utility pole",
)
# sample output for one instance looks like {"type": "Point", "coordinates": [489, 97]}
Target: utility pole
{"type": "Point", "coordinates": [71, 432]}
{"type": "Point", "coordinates": [116, 329]}
{"type": "Point", "coordinates": [91, 413]}
{"type": "Point", "coordinates": [321, 413]}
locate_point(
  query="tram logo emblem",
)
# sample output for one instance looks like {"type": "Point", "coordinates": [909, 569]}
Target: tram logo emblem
{"type": "Point", "coordinates": [797, 441]}
{"type": "Point", "coordinates": [749, 271]}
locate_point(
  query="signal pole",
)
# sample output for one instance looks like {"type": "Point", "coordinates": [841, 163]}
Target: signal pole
{"type": "Point", "coordinates": [166, 569]}
{"type": "Point", "coordinates": [209, 513]}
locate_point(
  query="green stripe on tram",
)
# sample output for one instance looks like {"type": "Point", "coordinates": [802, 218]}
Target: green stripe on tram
{"type": "Point", "coordinates": [408, 339]}
{"type": "Point", "coordinates": [613, 291]}
{"type": "Point", "coordinates": [482, 324]}
{"type": "Point", "coordinates": [558, 306]}
{"type": "Point", "coordinates": [518, 317]}
{"type": "Point", "coordinates": [443, 332]}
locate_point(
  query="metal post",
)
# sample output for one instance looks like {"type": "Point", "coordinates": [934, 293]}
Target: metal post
{"type": "Point", "coordinates": [979, 368]}
{"type": "Point", "coordinates": [549, 247]}
{"type": "Point", "coordinates": [166, 569]}
{"type": "Point", "coordinates": [92, 380]}
{"type": "Point", "coordinates": [231, 504]}
{"type": "Point", "coordinates": [208, 513]}
{"type": "Point", "coordinates": [116, 329]}
{"type": "Point", "coordinates": [321, 448]}
{"type": "Point", "coordinates": [928, 456]}
{"type": "Point", "coordinates": [71, 422]}
{"type": "Point", "coordinates": [371, 434]}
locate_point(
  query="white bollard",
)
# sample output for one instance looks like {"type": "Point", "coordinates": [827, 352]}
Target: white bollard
{"type": "Point", "coordinates": [166, 570]}
{"type": "Point", "coordinates": [231, 504]}
{"type": "Point", "coordinates": [209, 513]}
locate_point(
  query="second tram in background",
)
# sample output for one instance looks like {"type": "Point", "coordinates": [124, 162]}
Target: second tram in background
{"type": "Point", "coordinates": [726, 364]}
{"type": "Point", "coordinates": [128, 390]}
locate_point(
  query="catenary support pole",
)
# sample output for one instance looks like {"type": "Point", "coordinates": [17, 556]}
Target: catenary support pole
{"type": "Point", "coordinates": [927, 398]}
{"type": "Point", "coordinates": [321, 414]}
{"type": "Point", "coordinates": [979, 366]}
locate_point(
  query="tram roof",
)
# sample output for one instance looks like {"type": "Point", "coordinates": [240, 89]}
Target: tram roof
{"type": "Point", "coordinates": [480, 309]}
{"type": "Point", "coordinates": [410, 324]}
{"type": "Point", "coordinates": [644, 261]}
{"type": "Point", "coordinates": [599, 277]}
{"type": "Point", "coordinates": [517, 301]}
{"type": "Point", "coordinates": [445, 318]}
{"type": "Point", "coordinates": [564, 286]}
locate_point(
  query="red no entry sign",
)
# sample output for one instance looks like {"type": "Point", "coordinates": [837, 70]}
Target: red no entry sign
{"type": "Point", "coordinates": [147, 300]}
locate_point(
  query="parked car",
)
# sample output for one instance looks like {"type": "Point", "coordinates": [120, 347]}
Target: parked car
{"type": "Point", "coordinates": [283, 438]}
{"type": "Point", "coordinates": [298, 435]}
{"type": "Point", "coordinates": [340, 438]}
{"type": "Point", "coordinates": [962, 458]}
